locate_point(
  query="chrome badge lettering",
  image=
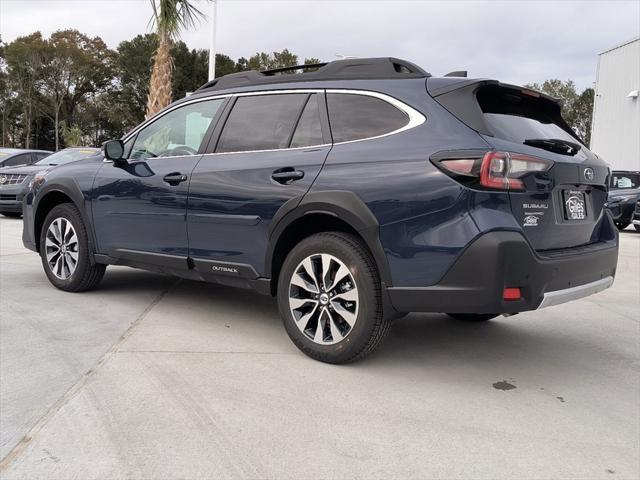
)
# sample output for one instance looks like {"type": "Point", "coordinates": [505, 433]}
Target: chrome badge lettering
{"type": "Point", "coordinates": [220, 268]}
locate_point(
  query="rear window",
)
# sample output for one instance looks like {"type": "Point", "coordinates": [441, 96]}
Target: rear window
{"type": "Point", "coordinates": [354, 117]}
{"type": "Point", "coordinates": [625, 180]}
{"type": "Point", "coordinates": [516, 116]}
{"type": "Point", "coordinates": [261, 122]}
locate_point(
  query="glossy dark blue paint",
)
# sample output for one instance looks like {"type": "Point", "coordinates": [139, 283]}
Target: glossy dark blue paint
{"type": "Point", "coordinates": [229, 207]}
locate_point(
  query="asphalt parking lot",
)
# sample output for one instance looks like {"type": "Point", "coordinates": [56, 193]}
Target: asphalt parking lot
{"type": "Point", "coordinates": [150, 377]}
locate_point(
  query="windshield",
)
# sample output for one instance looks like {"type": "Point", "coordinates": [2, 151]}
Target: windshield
{"type": "Point", "coordinates": [68, 155]}
{"type": "Point", "coordinates": [624, 181]}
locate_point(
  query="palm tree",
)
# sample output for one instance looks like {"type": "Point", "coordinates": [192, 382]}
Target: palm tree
{"type": "Point", "coordinates": [169, 18]}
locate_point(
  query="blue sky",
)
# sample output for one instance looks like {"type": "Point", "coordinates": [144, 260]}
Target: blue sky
{"type": "Point", "coordinates": [514, 41]}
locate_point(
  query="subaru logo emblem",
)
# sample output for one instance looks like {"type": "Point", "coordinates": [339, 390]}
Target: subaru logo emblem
{"type": "Point", "coordinates": [589, 174]}
{"type": "Point", "coordinates": [3, 180]}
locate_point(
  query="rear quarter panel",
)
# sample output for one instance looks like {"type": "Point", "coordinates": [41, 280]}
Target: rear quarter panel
{"type": "Point", "coordinates": [423, 216]}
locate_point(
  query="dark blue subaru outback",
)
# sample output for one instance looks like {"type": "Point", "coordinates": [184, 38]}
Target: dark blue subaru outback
{"type": "Point", "coordinates": [354, 193]}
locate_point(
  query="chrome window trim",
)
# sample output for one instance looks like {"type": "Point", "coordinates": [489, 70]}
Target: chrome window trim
{"type": "Point", "coordinates": [160, 115]}
{"type": "Point", "coordinates": [415, 117]}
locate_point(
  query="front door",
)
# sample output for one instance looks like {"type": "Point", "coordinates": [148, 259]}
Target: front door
{"type": "Point", "coordinates": [270, 150]}
{"type": "Point", "coordinates": [139, 208]}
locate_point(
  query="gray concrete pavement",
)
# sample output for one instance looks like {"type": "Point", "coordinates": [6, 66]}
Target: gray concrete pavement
{"type": "Point", "coordinates": [149, 377]}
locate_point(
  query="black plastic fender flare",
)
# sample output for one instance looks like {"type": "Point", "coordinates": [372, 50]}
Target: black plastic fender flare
{"type": "Point", "coordinates": [344, 205]}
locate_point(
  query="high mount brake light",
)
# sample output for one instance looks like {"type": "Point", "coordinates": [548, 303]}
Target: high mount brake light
{"type": "Point", "coordinates": [496, 170]}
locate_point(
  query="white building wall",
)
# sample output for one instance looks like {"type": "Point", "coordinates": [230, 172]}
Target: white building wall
{"type": "Point", "coordinates": [615, 131]}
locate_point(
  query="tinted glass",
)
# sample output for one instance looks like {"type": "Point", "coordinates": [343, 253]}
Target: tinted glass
{"type": "Point", "coordinates": [353, 117]}
{"type": "Point", "coordinates": [262, 122]}
{"type": "Point", "coordinates": [24, 159]}
{"type": "Point", "coordinates": [518, 117]}
{"type": "Point", "coordinates": [309, 129]}
{"type": "Point", "coordinates": [68, 155]}
{"type": "Point", "coordinates": [625, 180]}
{"type": "Point", "coordinates": [178, 133]}
{"type": "Point", "coordinates": [41, 155]}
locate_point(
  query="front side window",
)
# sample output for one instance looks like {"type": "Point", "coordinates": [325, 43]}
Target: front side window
{"type": "Point", "coordinates": [177, 133]}
{"type": "Point", "coordinates": [23, 159]}
{"type": "Point", "coordinates": [261, 122]}
{"type": "Point", "coordinates": [354, 117]}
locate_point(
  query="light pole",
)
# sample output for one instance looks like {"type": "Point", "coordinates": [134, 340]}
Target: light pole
{"type": "Point", "coordinates": [212, 45]}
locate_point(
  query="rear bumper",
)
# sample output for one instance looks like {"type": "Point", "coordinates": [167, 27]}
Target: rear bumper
{"type": "Point", "coordinates": [497, 260]}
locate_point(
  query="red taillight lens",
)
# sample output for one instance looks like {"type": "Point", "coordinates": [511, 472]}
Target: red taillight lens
{"type": "Point", "coordinates": [496, 170]}
{"type": "Point", "coordinates": [511, 293]}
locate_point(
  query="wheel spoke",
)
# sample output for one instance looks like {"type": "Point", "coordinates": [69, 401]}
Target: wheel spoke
{"type": "Point", "coordinates": [51, 256]}
{"type": "Point", "coordinates": [349, 295]}
{"type": "Point", "coordinates": [326, 269]}
{"type": "Point", "coordinates": [303, 321]}
{"type": "Point", "coordinates": [319, 336]}
{"type": "Point", "coordinates": [73, 239]}
{"type": "Point", "coordinates": [55, 231]}
{"type": "Point", "coordinates": [342, 272]}
{"type": "Point", "coordinates": [307, 265]}
{"type": "Point", "coordinates": [335, 331]}
{"type": "Point", "coordinates": [296, 303]}
{"type": "Point", "coordinates": [346, 315]}
{"type": "Point", "coordinates": [298, 281]}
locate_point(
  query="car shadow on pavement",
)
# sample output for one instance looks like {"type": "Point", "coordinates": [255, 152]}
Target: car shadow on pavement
{"type": "Point", "coordinates": [419, 340]}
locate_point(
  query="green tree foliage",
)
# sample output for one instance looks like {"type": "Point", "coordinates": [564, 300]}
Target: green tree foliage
{"type": "Point", "coordinates": [577, 108]}
{"type": "Point", "coordinates": [72, 89]}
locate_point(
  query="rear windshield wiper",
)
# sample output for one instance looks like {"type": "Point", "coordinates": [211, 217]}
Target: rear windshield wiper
{"type": "Point", "coordinates": [555, 145]}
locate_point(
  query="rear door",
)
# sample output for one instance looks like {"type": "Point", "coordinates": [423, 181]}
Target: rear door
{"type": "Point", "coordinates": [270, 149]}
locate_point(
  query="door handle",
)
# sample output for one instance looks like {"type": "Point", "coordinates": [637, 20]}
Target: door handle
{"type": "Point", "coordinates": [174, 178]}
{"type": "Point", "coordinates": [287, 175]}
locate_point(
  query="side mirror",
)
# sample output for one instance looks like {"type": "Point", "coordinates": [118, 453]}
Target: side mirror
{"type": "Point", "coordinates": [113, 150]}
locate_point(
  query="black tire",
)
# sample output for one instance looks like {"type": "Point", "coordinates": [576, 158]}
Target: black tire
{"type": "Point", "coordinates": [87, 274]}
{"type": "Point", "coordinates": [11, 214]}
{"type": "Point", "coordinates": [370, 327]}
{"type": "Point", "coordinates": [622, 225]}
{"type": "Point", "coordinates": [473, 317]}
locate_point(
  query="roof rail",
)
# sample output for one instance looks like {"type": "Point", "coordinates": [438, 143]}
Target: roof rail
{"type": "Point", "coordinates": [347, 69]}
{"type": "Point", "coordinates": [306, 66]}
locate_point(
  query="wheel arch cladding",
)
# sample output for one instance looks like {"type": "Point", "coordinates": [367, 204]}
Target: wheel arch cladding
{"type": "Point", "coordinates": [319, 212]}
{"type": "Point", "coordinates": [49, 199]}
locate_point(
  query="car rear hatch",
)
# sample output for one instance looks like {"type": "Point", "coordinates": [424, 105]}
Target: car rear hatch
{"type": "Point", "coordinates": [556, 187]}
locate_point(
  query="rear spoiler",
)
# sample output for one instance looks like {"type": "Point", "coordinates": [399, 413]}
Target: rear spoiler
{"type": "Point", "coordinates": [458, 96]}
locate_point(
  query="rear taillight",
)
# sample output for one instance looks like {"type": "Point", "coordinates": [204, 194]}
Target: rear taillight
{"type": "Point", "coordinates": [494, 170]}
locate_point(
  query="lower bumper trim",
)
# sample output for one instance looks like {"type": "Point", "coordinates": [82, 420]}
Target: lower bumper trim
{"type": "Point", "coordinates": [574, 293]}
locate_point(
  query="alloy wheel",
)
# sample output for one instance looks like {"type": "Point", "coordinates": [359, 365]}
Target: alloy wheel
{"type": "Point", "coordinates": [323, 298]}
{"type": "Point", "coordinates": [61, 245]}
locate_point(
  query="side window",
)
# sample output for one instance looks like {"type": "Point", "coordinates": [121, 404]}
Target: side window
{"type": "Point", "coordinates": [309, 129]}
{"type": "Point", "coordinates": [22, 159]}
{"type": "Point", "coordinates": [353, 117]}
{"type": "Point", "coordinates": [178, 133]}
{"type": "Point", "coordinates": [41, 155]}
{"type": "Point", "coordinates": [261, 122]}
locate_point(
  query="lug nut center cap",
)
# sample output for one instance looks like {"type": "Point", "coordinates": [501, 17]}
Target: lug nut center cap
{"type": "Point", "coordinates": [324, 298]}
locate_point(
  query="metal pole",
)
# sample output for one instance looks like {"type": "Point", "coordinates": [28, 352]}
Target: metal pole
{"type": "Point", "coordinates": [212, 45]}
